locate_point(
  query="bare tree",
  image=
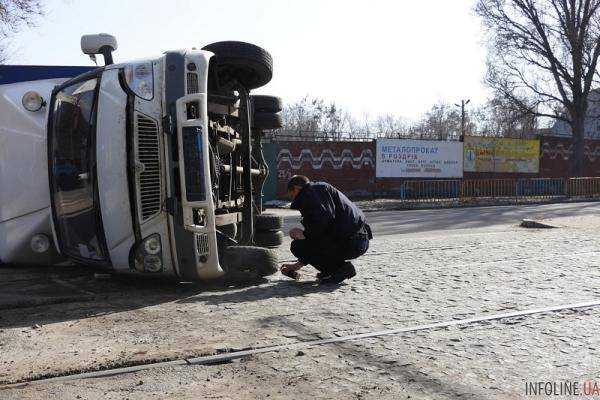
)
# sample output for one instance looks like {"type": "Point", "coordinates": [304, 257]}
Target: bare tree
{"type": "Point", "coordinates": [3, 56]}
{"type": "Point", "coordinates": [299, 118]}
{"type": "Point", "coordinates": [355, 127]}
{"type": "Point", "coordinates": [546, 51]}
{"type": "Point", "coordinates": [312, 117]}
{"type": "Point", "coordinates": [391, 126]}
{"type": "Point", "coordinates": [441, 122]}
{"type": "Point", "coordinates": [14, 14]}
{"type": "Point", "coordinates": [333, 121]}
{"type": "Point", "coordinates": [500, 117]}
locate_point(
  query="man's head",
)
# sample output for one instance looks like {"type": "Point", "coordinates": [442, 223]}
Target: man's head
{"type": "Point", "coordinates": [296, 184]}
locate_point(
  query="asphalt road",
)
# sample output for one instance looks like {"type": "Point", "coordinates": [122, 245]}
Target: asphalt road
{"type": "Point", "coordinates": [478, 218]}
{"type": "Point", "coordinates": [423, 266]}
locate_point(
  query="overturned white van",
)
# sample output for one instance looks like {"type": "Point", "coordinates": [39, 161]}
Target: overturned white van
{"type": "Point", "coordinates": [148, 167]}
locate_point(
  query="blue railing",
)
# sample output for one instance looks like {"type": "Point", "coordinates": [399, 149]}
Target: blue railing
{"type": "Point", "coordinates": [465, 190]}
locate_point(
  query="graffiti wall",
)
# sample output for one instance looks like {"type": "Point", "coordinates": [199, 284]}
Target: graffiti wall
{"type": "Point", "coordinates": [349, 166]}
{"type": "Point", "coordinates": [556, 153]}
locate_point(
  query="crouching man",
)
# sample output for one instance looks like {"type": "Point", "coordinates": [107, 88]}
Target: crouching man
{"type": "Point", "coordinates": [335, 231]}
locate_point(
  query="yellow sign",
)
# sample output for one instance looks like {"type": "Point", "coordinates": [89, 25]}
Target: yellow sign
{"type": "Point", "coordinates": [487, 154]}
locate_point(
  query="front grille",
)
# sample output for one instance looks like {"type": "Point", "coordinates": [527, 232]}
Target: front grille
{"type": "Point", "coordinates": [194, 163]}
{"type": "Point", "coordinates": [148, 154]}
{"type": "Point", "coordinates": [192, 83]}
{"type": "Point", "coordinates": [202, 244]}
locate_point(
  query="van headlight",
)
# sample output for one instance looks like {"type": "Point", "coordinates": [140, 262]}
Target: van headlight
{"type": "Point", "coordinates": [140, 79]}
{"type": "Point", "coordinates": [32, 101]}
{"type": "Point", "coordinates": [149, 254]}
{"type": "Point", "coordinates": [152, 245]}
{"type": "Point", "coordinates": [152, 263]}
{"type": "Point", "coordinates": [40, 243]}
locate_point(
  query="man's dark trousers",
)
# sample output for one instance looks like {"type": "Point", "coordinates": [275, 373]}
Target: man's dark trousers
{"type": "Point", "coordinates": [328, 256]}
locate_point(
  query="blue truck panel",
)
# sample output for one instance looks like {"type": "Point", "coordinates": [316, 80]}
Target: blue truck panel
{"type": "Point", "coordinates": [25, 73]}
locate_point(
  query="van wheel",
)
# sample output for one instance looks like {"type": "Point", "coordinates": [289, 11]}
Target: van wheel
{"type": "Point", "coordinates": [248, 263]}
{"type": "Point", "coordinates": [269, 104]}
{"type": "Point", "coordinates": [245, 63]}
{"type": "Point", "coordinates": [267, 121]}
{"type": "Point", "coordinates": [268, 222]}
{"type": "Point", "coordinates": [268, 239]}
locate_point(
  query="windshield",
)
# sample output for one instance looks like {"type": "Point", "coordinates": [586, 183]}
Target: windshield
{"type": "Point", "coordinates": [72, 165]}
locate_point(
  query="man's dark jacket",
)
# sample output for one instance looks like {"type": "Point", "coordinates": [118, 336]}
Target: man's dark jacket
{"type": "Point", "coordinates": [327, 213]}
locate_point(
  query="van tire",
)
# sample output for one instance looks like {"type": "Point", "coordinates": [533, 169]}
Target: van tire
{"type": "Point", "coordinates": [268, 222]}
{"type": "Point", "coordinates": [270, 240]}
{"type": "Point", "coordinates": [245, 63]}
{"type": "Point", "coordinates": [248, 263]}
{"type": "Point", "coordinates": [267, 121]}
{"type": "Point", "coordinates": [270, 104]}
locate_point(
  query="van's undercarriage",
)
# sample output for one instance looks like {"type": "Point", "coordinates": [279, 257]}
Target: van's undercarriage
{"type": "Point", "coordinates": [236, 165]}
{"type": "Point", "coordinates": [236, 125]}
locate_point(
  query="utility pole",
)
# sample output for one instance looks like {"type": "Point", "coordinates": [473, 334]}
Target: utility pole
{"type": "Point", "coordinates": [463, 117]}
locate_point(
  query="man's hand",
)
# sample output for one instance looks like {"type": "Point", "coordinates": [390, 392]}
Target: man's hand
{"type": "Point", "coordinates": [297, 234]}
{"type": "Point", "coordinates": [289, 270]}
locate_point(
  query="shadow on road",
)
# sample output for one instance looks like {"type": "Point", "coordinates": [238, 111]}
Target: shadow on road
{"type": "Point", "coordinates": [32, 296]}
{"type": "Point", "coordinates": [276, 289]}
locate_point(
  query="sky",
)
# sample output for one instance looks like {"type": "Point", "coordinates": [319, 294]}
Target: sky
{"type": "Point", "coordinates": [371, 57]}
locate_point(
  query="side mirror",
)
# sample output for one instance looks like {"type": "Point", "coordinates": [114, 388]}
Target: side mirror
{"type": "Point", "coordinates": [101, 43]}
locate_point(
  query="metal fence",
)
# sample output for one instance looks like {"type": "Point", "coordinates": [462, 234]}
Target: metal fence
{"type": "Point", "coordinates": [507, 190]}
{"type": "Point", "coordinates": [274, 137]}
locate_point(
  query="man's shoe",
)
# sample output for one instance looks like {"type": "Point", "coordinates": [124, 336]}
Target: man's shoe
{"type": "Point", "coordinates": [347, 271]}
{"type": "Point", "coordinates": [295, 275]}
{"type": "Point", "coordinates": [323, 275]}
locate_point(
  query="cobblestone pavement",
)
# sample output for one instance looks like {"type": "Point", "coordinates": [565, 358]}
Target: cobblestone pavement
{"type": "Point", "coordinates": [489, 361]}
{"type": "Point", "coordinates": [423, 266]}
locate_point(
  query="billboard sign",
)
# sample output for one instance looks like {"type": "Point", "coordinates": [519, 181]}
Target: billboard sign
{"type": "Point", "coordinates": [487, 154]}
{"type": "Point", "coordinates": [402, 158]}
